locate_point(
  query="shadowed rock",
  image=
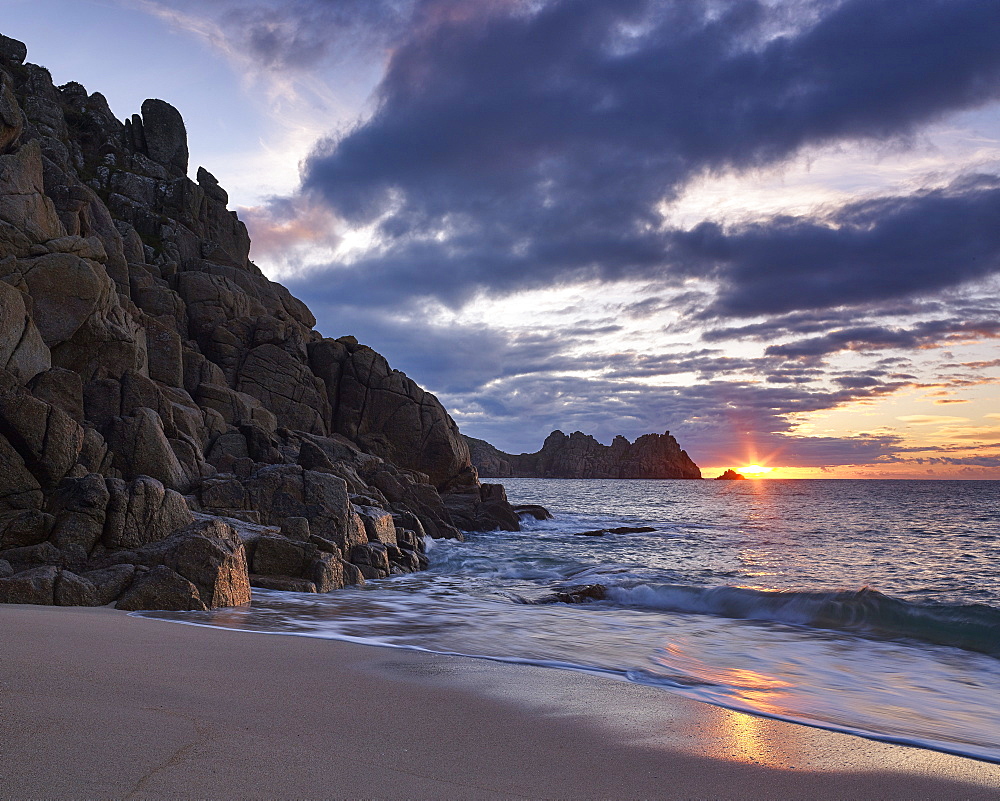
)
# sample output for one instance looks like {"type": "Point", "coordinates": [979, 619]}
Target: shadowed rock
{"type": "Point", "coordinates": [33, 586]}
{"type": "Point", "coordinates": [580, 594]}
{"type": "Point", "coordinates": [532, 510]}
{"type": "Point", "coordinates": [12, 51]}
{"type": "Point", "coordinates": [23, 353]}
{"type": "Point", "coordinates": [161, 588]}
{"type": "Point", "coordinates": [141, 512]}
{"type": "Point", "coordinates": [279, 563]}
{"type": "Point", "coordinates": [110, 582]}
{"type": "Point", "coordinates": [165, 136]}
{"type": "Point", "coordinates": [600, 532]}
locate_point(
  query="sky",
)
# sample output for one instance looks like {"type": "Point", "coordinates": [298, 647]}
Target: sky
{"type": "Point", "coordinates": [771, 227]}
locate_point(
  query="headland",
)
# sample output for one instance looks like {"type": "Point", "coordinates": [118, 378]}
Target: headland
{"type": "Point", "coordinates": [173, 429]}
{"type": "Point", "coordinates": [579, 455]}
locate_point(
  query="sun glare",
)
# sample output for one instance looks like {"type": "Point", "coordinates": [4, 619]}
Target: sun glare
{"type": "Point", "coordinates": [754, 470]}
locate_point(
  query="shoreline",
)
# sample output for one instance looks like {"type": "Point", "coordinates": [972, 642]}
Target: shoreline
{"type": "Point", "coordinates": [95, 703]}
{"type": "Point", "coordinates": [591, 672]}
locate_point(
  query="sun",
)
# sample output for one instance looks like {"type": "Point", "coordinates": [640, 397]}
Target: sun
{"type": "Point", "coordinates": [754, 470]}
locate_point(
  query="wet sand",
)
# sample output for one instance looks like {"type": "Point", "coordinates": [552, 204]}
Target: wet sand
{"type": "Point", "coordinates": [97, 704]}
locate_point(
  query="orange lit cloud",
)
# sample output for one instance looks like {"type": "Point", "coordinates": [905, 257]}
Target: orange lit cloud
{"type": "Point", "coordinates": [931, 420]}
{"type": "Point", "coordinates": [278, 231]}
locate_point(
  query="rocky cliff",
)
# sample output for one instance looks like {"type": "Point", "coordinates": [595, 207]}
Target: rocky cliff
{"type": "Point", "coordinates": [172, 428]}
{"type": "Point", "coordinates": [581, 456]}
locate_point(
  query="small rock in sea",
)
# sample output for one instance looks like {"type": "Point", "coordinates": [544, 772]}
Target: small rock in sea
{"type": "Point", "coordinates": [731, 475]}
{"type": "Point", "coordinates": [533, 509]}
{"type": "Point", "coordinates": [600, 532]}
{"type": "Point", "coordinates": [579, 594]}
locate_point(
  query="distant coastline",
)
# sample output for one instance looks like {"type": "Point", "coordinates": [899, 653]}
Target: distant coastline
{"type": "Point", "coordinates": [579, 455]}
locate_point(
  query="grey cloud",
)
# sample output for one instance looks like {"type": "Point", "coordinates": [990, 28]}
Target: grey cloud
{"type": "Point", "coordinates": [934, 332]}
{"type": "Point", "coordinates": [813, 321]}
{"type": "Point", "coordinates": [591, 330]}
{"type": "Point", "coordinates": [857, 381]}
{"type": "Point", "coordinates": [786, 377]}
{"type": "Point", "coordinates": [646, 307]}
{"type": "Point", "coordinates": [299, 35]}
{"type": "Point", "coordinates": [978, 461]}
{"type": "Point", "coordinates": [457, 359]}
{"type": "Point", "coordinates": [795, 323]}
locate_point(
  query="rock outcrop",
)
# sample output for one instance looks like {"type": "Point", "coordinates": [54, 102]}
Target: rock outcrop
{"type": "Point", "coordinates": [172, 427]}
{"type": "Point", "coordinates": [731, 475]}
{"type": "Point", "coordinates": [581, 456]}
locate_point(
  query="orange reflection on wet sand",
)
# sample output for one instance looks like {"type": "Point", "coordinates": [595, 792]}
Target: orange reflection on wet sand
{"type": "Point", "coordinates": [750, 679]}
{"type": "Point", "coordinates": [751, 684]}
{"type": "Point", "coordinates": [748, 739]}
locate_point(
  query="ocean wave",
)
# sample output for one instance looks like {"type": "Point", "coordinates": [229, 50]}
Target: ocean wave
{"type": "Point", "coordinates": [972, 627]}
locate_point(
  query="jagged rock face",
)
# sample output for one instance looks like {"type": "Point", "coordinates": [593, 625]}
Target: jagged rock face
{"type": "Point", "coordinates": [149, 370]}
{"type": "Point", "coordinates": [581, 456]}
{"type": "Point", "coordinates": [387, 413]}
{"type": "Point", "coordinates": [11, 123]}
{"type": "Point", "coordinates": [23, 353]}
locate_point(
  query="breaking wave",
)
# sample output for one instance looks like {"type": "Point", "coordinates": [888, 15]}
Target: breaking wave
{"type": "Point", "coordinates": [972, 627]}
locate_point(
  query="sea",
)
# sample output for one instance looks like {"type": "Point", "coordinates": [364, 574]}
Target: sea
{"type": "Point", "coordinates": [866, 607]}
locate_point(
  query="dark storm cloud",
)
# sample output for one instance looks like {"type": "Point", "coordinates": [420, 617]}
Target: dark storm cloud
{"type": "Point", "coordinates": [532, 144]}
{"type": "Point", "coordinates": [789, 377]}
{"type": "Point", "coordinates": [871, 252]}
{"type": "Point", "coordinates": [865, 252]}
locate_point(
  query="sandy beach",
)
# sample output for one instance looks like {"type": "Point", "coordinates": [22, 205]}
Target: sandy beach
{"type": "Point", "coordinates": [97, 704]}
